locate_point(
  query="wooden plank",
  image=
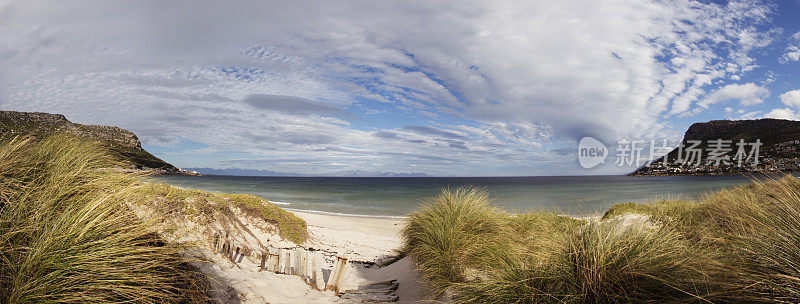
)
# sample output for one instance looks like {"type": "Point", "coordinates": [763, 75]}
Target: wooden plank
{"type": "Point", "coordinates": [263, 261]}
{"type": "Point", "coordinates": [286, 259]}
{"type": "Point", "coordinates": [273, 261]}
{"type": "Point", "coordinates": [391, 285]}
{"type": "Point", "coordinates": [305, 266]}
{"type": "Point", "coordinates": [302, 264]}
{"type": "Point", "coordinates": [317, 279]}
{"type": "Point", "coordinates": [337, 275]}
{"type": "Point", "coordinates": [369, 298]}
{"type": "Point", "coordinates": [281, 261]}
{"type": "Point", "coordinates": [377, 289]}
{"type": "Point", "coordinates": [369, 291]}
{"type": "Point", "coordinates": [293, 259]}
{"type": "Point", "coordinates": [295, 262]}
{"type": "Point", "coordinates": [331, 285]}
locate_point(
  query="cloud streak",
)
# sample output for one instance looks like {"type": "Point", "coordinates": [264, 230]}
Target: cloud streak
{"type": "Point", "coordinates": [449, 88]}
{"type": "Point", "coordinates": [293, 105]}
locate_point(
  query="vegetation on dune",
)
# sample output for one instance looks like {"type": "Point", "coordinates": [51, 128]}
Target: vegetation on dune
{"type": "Point", "coordinates": [452, 233]}
{"type": "Point", "coordinates": [663, 210]}
{"type": "Point", "coordinates": [66, 236]}
{"type": "Point", "coordinates": [597, 263]}
{"type": "Point", "coordinates": [740, 245]}
{"type": "Point", "coordinates": [457, 233]}
{"type": "Point", "coordinates": [197, 202]}
{"type": "Point", "coordinates": [759, 226]}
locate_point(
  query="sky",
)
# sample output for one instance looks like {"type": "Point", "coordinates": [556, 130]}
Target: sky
{"type": "Point", "coordinates": [446, 88]}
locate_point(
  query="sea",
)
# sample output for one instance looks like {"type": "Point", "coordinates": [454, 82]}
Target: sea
{"type": "Point", "coordinates": [398, 196]}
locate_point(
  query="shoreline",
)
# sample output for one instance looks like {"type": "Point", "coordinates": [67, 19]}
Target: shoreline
{"type": "Point", "coordinates": [337, 214]}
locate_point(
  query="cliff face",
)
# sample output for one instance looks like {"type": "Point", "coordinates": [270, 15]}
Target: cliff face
{"type": "Point", "coordinates": [779, 150]}
{"type": "Point", "coordinates": [769, 131]}
{"type": "Point", "coordinates": [121, 142]}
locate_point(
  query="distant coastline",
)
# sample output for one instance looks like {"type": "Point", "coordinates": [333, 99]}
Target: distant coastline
{"type": "Point", "coordinates": [762, 146]}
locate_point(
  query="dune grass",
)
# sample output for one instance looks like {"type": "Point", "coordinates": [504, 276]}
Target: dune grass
{"type": "Point", "coordinates": [65, 236]}
{"type": "Point", "coordinates": [452, 233]}
{"type": "Point", "coordinates": [740, 245]}
{"type": "Point", "coordinates": [597, 263]}
{"type": "Point", "coordinates": [197, 202]}
{"type": "Point", "coordinates": [457, 233]}
{"type": "Point", "coordinates": [760, 227]}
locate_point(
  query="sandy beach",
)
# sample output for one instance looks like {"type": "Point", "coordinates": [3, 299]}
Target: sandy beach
{"type": "Point", "coordinates": [364, 240]}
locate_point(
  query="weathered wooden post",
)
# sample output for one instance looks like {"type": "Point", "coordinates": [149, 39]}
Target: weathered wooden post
{"type": "Point", "coordinates": [273, 261]}
{"type": "Point", "coordinates": [304, 266]}
{"type": "Point", "coordinates": [263, 262]}
{"type": "Point", "coordinates": [337, 274]}
{"type": "Point", "coordinates": [297, 268]}
{"type": "Point", "coordinates": [293, 261]}
{"type": "Point", "coordinates": [235, 255]}
{"type": "Point", "coordinates": [216, 241]}
{"type": "Point", "coordinates": [283, 261]}
{"type": "Point", "coordinates": [288, 269]}
{"type": "Point", "coordinates": [317, 279]}
{"type": "Point", "coordinates": [245, 252]}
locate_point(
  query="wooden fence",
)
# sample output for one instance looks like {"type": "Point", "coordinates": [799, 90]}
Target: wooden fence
{"type": "Point", "coordinates": [292, 261]}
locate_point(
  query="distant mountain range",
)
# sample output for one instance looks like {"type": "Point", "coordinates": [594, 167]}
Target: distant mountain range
{"type": "Point", "coordinates": [121, 142]}
{"type": "Point", "coordinates": [350, 173]}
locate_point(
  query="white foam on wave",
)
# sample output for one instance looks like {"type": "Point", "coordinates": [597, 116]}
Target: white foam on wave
{"type": "Point", "coordinates": [347, 214]}
{"type": "Point", "coordinates": [280, 203]}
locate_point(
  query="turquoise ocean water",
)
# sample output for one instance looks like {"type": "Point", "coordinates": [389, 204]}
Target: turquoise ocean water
{"type": "Point", "coordinates": [397, 196]}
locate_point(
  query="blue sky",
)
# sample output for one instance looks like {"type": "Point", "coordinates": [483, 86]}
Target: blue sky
{"type": "Point", "coordinates": [469, 88]}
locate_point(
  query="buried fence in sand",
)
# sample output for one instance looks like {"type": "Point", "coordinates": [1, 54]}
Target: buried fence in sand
{"type": "Point", "coordinates": [308, 265]}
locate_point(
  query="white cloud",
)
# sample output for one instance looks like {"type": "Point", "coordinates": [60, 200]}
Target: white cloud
{"type": "Point", "coordinates": [792, 52]}
{"type": "Point", "coordinates": [747, 94]}
{"type": "Point", "coordinates": [180, 70]}
{"type": "Point", "coordinates": [791, 98]}
{"type": "Point", "coordinates": [785, 113]}
{"type": "Point", "coordinates": [749, 115]}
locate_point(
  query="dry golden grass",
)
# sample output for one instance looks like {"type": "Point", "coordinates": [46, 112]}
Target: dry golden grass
{"type": "Point", "coordinates": [65, 236]}
{"type": "Point", "coordinates": [740, 245]}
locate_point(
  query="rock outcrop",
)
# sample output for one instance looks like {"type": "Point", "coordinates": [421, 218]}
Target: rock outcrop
{"type": "Point", "coordinates": [778, 141]}
{"type": "Point", "coordinates": [121, 142]}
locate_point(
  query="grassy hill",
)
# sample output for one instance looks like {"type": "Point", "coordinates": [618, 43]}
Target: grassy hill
{"type": "Point", "coordinates": [123, 143]}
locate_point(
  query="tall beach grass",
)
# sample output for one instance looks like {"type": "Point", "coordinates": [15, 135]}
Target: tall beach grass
{"type": "Point", "coordinates": [66, 236]}
{"type": "Point", "coordinates": [740, 245]}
